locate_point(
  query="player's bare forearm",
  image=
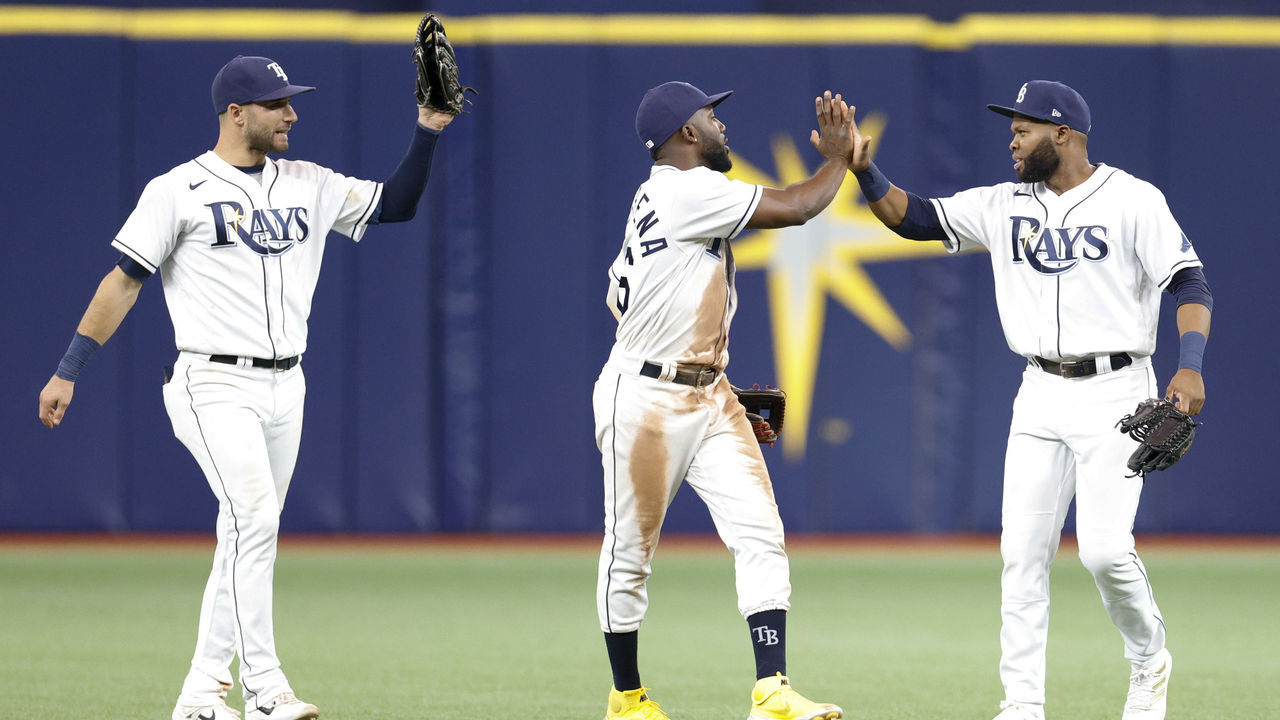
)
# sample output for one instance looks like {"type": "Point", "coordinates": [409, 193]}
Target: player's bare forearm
{"type": "Point", "coordinates": [1186, 387]}
{"type": "Point", "coordinates": [892, 208]}
{"type": "Point", "coordinates": [1193, 317]}
{"type": "Point", "coordinates": [115, 297]}
{"type": "Point", "coordinates": [111, 303]}
{"type": "Point", "coordinates": [433, 119]}
{"type": "Point", "coordinates": [800, 202]}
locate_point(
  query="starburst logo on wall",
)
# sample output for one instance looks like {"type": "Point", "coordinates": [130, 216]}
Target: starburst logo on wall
{"type": "Point", "coordinates": [826, 256]}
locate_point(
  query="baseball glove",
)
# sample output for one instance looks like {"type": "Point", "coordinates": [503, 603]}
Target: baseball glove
{"type": "Point", "coordinates": [758, 402]}
{"type": "Point", "coordinates": [1165, 434]}
{"type": "Point", "coordinates": [438, 84]}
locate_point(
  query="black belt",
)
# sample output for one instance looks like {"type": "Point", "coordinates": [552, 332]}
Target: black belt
{"type": "Point", "coordinates": [281, 364]}
{"type": "Point", "coordinates": [696, 378]}
{"type": "Point", "coordinates": [1081, 368]}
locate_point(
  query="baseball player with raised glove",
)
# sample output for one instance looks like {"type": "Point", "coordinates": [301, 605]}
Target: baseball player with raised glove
{"type": "Point", "coordinates": [244, 234]}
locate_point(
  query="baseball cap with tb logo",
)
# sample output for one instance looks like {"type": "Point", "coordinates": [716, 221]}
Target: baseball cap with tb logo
{"type": "Point", "coordinates": [250, 78]}
{"type": "Point", "coordinates": [1051, 102]}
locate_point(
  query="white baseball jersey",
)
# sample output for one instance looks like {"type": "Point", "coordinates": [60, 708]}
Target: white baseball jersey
{"type": "Point", "coordinates": [672, 291]}
{"type": "Point", "coordinates": [239, 258]}
{"type": "Point", "coordinates": [1075, 274]}
{"type": "Point", "coordinates": [672, 285]}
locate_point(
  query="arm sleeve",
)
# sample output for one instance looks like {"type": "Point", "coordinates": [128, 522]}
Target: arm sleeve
{"type": "Point", "coordinates": [1189, 286]}
{"type": "Point", "coordinates": [1162, 247]}
{"type": "Point", "coordinates": [921, 221]}
{"type": "Point", "coordinates": [710, 205]}
{"type": "Point", "coordinates": [402, 191]}
{"type": "Point", "coordinates": [151, 231]}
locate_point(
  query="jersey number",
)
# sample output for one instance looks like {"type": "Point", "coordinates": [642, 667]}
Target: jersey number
{"type": "Point", "coordinates": [624, 287]}
{"type": "Point", "coordinates": [624, 294]}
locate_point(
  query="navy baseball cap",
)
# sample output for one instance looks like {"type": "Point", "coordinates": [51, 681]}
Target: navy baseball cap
{"type": "Point", "coordinates": [666, 108]}
{"type": "Point", "coordinates": [249, 78]}
{"type": "Point", "coordinates": [1051, 102]}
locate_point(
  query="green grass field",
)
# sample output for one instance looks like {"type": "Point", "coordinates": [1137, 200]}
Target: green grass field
{"type": "Point", "coordinates": [443, 632]}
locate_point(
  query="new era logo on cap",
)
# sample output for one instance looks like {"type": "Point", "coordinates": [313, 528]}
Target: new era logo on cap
{"type": "Point", "coordinates": [1050, 101]}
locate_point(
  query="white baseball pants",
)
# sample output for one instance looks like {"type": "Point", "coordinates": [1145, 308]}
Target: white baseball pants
{"type": "Point", "coordinates": [1063, 443]}
{"type": "Point", "coordinates": [652, 436]}
{"type": "Point", "coordinates": [243, 426]}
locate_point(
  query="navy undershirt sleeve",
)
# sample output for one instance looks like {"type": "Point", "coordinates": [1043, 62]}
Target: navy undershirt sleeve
{"type": "Point", "coordinates": [1189, 286]}
{"type": "Point", "coordinates": [402, 191]}
{"type": "Point", "coordinates": [132, 268]}
{"type": "Point", "coordinates": [921, 221]}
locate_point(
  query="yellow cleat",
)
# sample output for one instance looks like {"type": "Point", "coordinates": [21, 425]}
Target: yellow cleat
{"type": "Point", "coordinates": [633, 705]}
{"type": "Point", "coordinates": [773, 698]}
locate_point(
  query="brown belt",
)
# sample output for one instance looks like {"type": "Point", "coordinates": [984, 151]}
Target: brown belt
{"type": "Point", "coordinates": [695, 378]}
{"type": "Point", "coordinates": [1081, 368]}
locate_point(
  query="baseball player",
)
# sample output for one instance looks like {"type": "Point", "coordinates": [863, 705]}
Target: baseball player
{"type": "Point", "coordinates": [664, 410]}
{"type": "Point", "coordinates": [1080, 253]}
{"type": "Point", "coordinates": [238, 238]}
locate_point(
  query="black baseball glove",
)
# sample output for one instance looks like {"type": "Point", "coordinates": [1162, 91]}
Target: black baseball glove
{"type": "Point", "coordinates": [766, 409]}
{"type": "Point", "coordinates": [1165, 434]}
{"type": "Point", "coordinates": [438, 84]}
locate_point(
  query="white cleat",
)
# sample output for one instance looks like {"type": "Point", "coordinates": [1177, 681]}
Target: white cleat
{"type": "Point", "coordinates": [284, 707]}
{"type": "Point", "coordinates": [1149, 688]}
{"type": "Point", "coordinates": [209, 712]}
{"type": "Point", "coordinates": [1020, 711]}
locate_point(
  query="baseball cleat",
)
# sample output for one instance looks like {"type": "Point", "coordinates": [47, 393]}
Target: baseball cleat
{"type": "Point", "coordinates": [284, 707]}
{"type": "Point", "coordinates": [209, 712]}
{"type": "Point", "coordinates": [1148, 688]}
{"type": "Point", "coordinates": [633, 705]}
{"type": "Point", "coordinates": [773, 698]}
{"type": "Point", "coordinates": [1020, 711]}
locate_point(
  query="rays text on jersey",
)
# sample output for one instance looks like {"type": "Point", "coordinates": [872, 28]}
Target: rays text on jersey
{"type": "Point", "coordinates": [1054, 251]}
{"type": "Point", "coordinates": [266, 231]}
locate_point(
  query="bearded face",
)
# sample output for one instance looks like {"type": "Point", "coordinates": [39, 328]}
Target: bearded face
{"type": "Point", "coordinates": [1041, 164]}
{"type": "Point", "coordinates": [715, 154]}
{"type": "Point", "coordinates": [267, 125]}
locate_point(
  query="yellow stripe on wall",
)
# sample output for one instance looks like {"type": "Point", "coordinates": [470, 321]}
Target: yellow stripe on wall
{"type": "Point", "coordinates": [688, 30]}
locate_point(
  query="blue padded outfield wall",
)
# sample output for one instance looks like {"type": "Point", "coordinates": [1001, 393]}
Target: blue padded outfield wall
{"type": "Point", "coordinates": [452, 357]}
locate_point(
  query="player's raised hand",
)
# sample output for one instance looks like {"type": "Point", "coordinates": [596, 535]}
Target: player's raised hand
{"type": "Point", "coordinates": [861, 147]}
{"type": "Point", "coordinates": [834, 136]}
{"type": "Point", "coordinates": [54, 399]}
{"type": "Point", "coordinates": [1186, 391]}
{"type": "Point", "coordinates": [434, 119]}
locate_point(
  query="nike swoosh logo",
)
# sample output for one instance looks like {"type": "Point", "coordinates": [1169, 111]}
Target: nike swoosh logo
{"type": "Point", "coordinates": [266, 711]}
{"type": "Point", "coordinates": [1021, 194]}
{"type": "Point", "coordinates": [202, 717]}
{"type": "Point", "coordinates": [193, 186]}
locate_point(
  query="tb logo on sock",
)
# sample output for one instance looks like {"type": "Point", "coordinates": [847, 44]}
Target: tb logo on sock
{"type": "Point", "coordinates": [766, 636]}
